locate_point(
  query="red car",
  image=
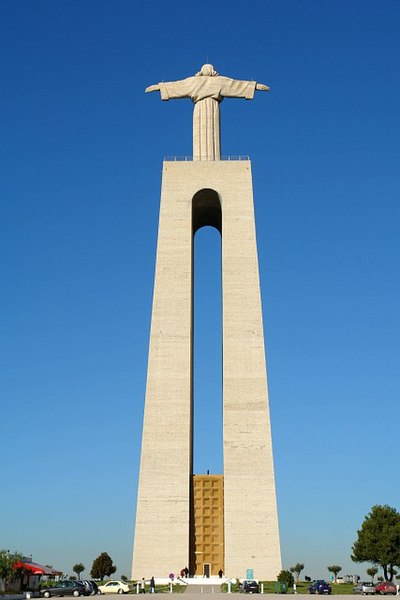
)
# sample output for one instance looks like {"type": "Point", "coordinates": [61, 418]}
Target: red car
{"type": "Point", "coordinates": [385, 587]}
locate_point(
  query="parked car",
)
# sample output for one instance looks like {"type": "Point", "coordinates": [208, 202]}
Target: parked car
{"type": "Point", "coordinates": [320, 586]}
{"type": "Point", "coordinates": [114, 587]}
{"type": "Point", "coordinates": [90, 585]}
{"type": "Point", "coordinates": [95, 587]}
{"type": "Point", "coordinates": [87, 585]}
{"type": "Point", "coordinates": [249, 586]}
{"type": "Point", "coordinates": [364, 587]}
{"type": "Point", "coordinates": [385, 587]}
{"type": "Point", "coordinates": [65, 588]}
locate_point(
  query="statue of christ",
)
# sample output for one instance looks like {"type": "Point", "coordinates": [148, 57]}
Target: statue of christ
{"type": "Point", "coordinates": [207, 89]}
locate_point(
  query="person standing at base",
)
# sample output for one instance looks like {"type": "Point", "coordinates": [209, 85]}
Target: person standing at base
{"type": "Point", "coordinates": [143, 586]}
{"type": "Point", "coordinates": [152, 585]}
{"type": "Point", "coordinates": [220, 573]}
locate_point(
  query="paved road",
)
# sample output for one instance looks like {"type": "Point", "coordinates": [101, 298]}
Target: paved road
{"type": "Point", "coordinates": [194, 592]}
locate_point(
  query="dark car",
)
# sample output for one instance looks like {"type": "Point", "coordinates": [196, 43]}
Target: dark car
{"type": "Point", "coordinates": [95, 587]}
{"type": "Point", "coordinates": [65, 588]}
{"type": "Point", "coordinates": [319, 587]}
{"type": "Point", "coordinates": [249, 586]}
{"type": "Point", "coordinates": [364, 587]}
{"type": "Point", "coordinates": [385, 587]}
{"type": "Point", "coordinates": [91, 586]}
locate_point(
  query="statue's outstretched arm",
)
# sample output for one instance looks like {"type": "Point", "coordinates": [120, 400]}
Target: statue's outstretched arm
{"type": "Point", "coordinates": [261, 86]}
{"type": "Point", "coordinates": [153, 88]}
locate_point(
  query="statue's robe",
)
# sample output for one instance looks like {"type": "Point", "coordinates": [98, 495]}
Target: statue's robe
{"type": "Point", "coordinates": [207, 92]}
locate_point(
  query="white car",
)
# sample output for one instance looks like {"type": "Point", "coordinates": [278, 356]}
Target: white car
{"type": "Point", "coordinates": [114, 587]}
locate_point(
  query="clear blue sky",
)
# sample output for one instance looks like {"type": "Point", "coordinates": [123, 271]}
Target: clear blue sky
{"type": "Point", "coordinates": [81, 155]}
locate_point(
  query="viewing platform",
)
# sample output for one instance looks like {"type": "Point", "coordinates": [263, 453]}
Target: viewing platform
{"type": "Point", "coordinates": [194, 159]}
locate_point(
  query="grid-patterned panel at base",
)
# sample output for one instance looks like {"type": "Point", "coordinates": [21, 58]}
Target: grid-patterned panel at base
{"type": "Point", "coordinates": [208, 515]}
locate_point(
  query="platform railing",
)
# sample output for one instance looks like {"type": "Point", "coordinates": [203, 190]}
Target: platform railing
{"type": "Point", "coordinates": [194, 159]}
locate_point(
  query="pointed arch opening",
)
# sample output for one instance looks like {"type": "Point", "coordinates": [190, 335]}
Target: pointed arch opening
{"type": "Point", "coordinates": [207, 537]}
{"type": "Point", "coordinates": [207, 328]}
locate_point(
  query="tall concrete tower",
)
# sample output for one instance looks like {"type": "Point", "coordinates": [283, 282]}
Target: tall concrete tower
{"type": "Point", "coordinates": [226, 521]}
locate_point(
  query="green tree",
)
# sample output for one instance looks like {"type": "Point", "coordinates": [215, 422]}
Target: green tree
{"type": "Point", "coordinates": [124, 578]}
{"type": "Point", "coordinates": [8, 569]}
{"type": "Point", "coordinates": [102, 566]}
{"type": "Point", "coordinates": [378, 540]}
{"type": "Point", "coordinates": [78, 569]}
{"type": "Point", "coordinates": [297, 569]}
{"type": "Point", "coordinates": [335, 569]}
{"type": "Point", "coordinates": [286, 577]}
{"type": "Point", "coordinates": [372, 571]}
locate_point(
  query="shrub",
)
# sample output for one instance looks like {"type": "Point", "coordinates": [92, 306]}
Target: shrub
{"type": "Point", "coordinates": [286, 577]}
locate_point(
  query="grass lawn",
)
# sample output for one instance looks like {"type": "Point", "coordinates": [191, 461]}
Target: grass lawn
{"type": "Point", "coordinates": [342, 588]}
{"type": "Point", "coordinates": [301, 587]}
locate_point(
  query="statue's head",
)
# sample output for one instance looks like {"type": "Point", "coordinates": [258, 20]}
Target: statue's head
{"type": "Point", "coordinates": [208, 71]}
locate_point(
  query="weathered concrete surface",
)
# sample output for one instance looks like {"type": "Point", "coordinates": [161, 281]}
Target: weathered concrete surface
{"type": "Point", "coordinates": [163, 516]}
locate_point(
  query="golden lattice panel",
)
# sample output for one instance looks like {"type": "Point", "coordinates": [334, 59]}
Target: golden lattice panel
{"type": "Point", "coordinates": [208, 508]}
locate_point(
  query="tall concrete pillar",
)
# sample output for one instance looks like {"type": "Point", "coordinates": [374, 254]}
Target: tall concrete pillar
{"type": "Point", "coordinates": [194, 194]}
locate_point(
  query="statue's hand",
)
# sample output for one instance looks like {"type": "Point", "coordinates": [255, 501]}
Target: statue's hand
{"type": "Point", "coordinates": [152, 88]}
{"type": "Point", "coordinates": [262, 87]}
